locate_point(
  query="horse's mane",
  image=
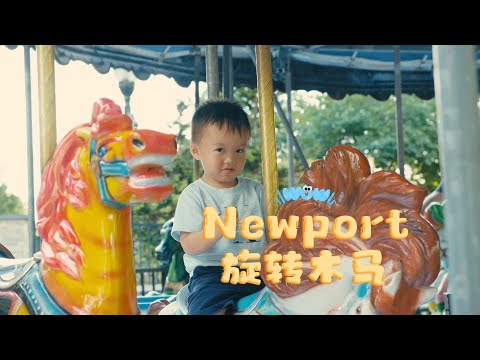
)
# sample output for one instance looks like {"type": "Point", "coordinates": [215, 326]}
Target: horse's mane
{"type": "Point", "coordinates": [345, 171]}
{"type": "Point", "coordinates": [63, 183]}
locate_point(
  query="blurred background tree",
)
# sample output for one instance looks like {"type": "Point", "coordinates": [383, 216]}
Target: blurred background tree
{"type": "Point", "coordinates": [321, 122]}
{"type": "Point", "coordinates": [368, 125]}
{"type": "Point", "coordinates": [9, 204]}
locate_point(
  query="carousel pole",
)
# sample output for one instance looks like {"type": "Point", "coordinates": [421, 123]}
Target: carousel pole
{"type": "Point", "coordinates": [288, 90]}
{"type": "Point", "coordinates": [31, 190]}
{"type": "Point", "coordinates": [456, 95]}
{"type": "Point", "coordinates": [196, 163]}
{"type": "Point", "coordinates": [227, 72]}
{"type": "Point", "coordinates": [398, 113]}
{"type": "Point", "coordinates": [46, 95]}
{"type": "Point", "coordinates": [267, 126]}
{"type": "Point", "coordinates": [212, 72]}
{"type": "Point", "coordinates": [284, 119]}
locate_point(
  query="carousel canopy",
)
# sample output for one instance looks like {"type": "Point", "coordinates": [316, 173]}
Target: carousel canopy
{"type": "Point", "coordinates": [338, 70]}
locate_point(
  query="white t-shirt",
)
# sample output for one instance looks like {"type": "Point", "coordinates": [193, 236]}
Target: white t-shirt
{"type": "Point", "coordinates": [246, 196]}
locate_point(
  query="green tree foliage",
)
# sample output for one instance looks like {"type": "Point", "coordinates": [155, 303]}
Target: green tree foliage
{"type": "Point", "coordinates": [9, 204]}
{"type": "Point", "coordinates": [369, 125]}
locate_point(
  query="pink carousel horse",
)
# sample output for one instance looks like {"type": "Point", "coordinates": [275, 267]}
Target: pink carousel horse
{"type": "Point", "coordinates": [410, 264]}
{"type": "Point", "coordinates": [86, 263]}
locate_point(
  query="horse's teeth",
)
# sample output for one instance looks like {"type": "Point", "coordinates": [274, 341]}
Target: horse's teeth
{"type": "Point", "coordinates": [150, 181]}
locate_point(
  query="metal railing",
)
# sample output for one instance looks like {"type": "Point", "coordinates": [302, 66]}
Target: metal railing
{"type": "Point", "coordinates": [146, 236]}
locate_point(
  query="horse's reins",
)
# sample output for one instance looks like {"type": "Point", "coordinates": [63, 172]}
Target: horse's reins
{"type": "Point", "coordinates": [104, 169]}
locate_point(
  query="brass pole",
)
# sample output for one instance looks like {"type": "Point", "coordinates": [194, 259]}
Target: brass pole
{"type": "Point", "coordinates": [46, 95]}
{"type": "Point", "coordinates": [267, 126]}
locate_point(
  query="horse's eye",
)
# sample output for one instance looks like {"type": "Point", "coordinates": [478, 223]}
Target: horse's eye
{"type": "Point", "coordinates": [138, 144]}
{"type": "Point", "coordinates": [102, 150]}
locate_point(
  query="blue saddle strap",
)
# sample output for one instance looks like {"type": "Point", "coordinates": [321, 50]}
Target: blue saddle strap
{"type": "Point", "coordinates": [34, 294]}
{"type": "Point", "coordinates": [260, 303]}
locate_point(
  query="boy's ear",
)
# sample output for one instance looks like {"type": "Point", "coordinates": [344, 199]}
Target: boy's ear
{"type": "Point", "coordinates": [194, 151]}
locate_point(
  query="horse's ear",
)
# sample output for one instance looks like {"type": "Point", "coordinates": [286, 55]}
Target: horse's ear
{"type": "Point", "coordinates": [84, 134]}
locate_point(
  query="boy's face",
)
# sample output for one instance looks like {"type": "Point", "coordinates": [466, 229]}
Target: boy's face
{"type": "Point", "coordinates": [222, 154]}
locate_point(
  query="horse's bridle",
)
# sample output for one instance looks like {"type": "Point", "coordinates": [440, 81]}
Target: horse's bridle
{"type": "Point", "coordinates": [102, 169]}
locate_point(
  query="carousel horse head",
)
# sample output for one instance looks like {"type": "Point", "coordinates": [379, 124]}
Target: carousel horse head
{"type": "Point", "coordinates": [96, 173]}
{"type": "Point", "coordinates": [410, 264]}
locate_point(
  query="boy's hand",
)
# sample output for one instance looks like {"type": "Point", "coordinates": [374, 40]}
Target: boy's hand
{"type": "Point", "coordinates": [193, 243]}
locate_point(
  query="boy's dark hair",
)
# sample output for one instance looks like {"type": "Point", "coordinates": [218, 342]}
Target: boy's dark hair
{"type": "Point", "coordinates": [219, 112]}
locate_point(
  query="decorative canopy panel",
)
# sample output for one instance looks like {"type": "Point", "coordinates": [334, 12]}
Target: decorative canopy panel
{"type": "Point", "coordinates": [338, 70]}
